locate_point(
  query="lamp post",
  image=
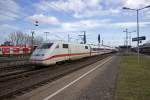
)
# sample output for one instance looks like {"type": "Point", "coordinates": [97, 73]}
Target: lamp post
{"type": "Point", "coordinates": [32, 41]}
{"type": "Point", "coordinates": [137, 11]}
{"type": "Point", "coordinates": [126, 31]}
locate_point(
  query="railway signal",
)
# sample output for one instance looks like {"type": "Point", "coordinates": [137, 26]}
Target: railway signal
{"type": "Point", "coordinates": [36, 23]}
{"type": "Point", "coordinates": [84, 37]}
{"type": "Point", "coordinates": [99, 38]}
{"type": "Point", "coordinates": [32, 40]}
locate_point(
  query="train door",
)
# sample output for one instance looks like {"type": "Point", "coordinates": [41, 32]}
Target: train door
{"type": "Point", "coordinates": [65, 48]}
{"type": "Point", "coordinates": [0, 51]}
{"type": "Point", "coordinates": [58, 51]}
{"type": "Point", "coordinates": [69, 51]}
{"type": "Point", "coordinates": [6, 51]}
{"type": "Point", "coordinates": [90, 50]}
{"type": "Point", "coordinates": [86, 50]}
{"type": "Point", "coordinates": [25, 50]}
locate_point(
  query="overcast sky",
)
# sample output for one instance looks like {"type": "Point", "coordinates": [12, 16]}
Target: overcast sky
{"type": "Point", "coordinates": [60, 17]}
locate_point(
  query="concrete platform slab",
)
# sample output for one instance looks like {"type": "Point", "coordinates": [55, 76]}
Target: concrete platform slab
{"type": "Point", "coordinates": [94, 82]}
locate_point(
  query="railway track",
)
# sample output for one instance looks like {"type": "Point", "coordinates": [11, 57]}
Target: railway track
{"type": "Point", "coordinates": [11, 71]}
{"type": "Point", "coordinates": [8, 62]}
{"type": "Point", "coordinates": [12, 58]}
{"type": "Point", "coordinates": [19, 84]}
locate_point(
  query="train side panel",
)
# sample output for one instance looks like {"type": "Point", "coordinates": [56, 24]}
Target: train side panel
{"type": "Point", "coordinates": [59, 52]}
{"type": "Point", "coordinates": [79, 51]}
{"type": "Point", "coordinates": [14, 50]}
{"type": "Point", "coordinates": [62, 51]}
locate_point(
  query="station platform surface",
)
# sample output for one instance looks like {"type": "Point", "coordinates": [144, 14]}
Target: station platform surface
{"type": "Point", "coordinates": [94, 82]}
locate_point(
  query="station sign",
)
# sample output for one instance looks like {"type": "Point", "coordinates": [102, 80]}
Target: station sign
{"type": "Point", "coordinates": [139, 38]}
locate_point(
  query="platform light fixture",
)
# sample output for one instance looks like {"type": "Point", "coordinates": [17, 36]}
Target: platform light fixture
{"type": "Point", "coordinates": [137, 11]}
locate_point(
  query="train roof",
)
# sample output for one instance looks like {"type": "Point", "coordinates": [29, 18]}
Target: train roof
{"type": "Point", "coordinates": [92, 45]}
{"type": "Point", "coordinates": [101, 46]}
{"type": "Point", "coordinates": [66, 43]}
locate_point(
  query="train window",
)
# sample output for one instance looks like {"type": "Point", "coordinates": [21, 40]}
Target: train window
{"type": "Point", "coordinates": [6, 49]}
{"type": "Point", "coordinates": [65, 45]}
{"type": "Point", "coordinates": [86, 47]}
{"type": "Point", "coordinates": [45, 46]}
{"type": "Point", "coordinates": [101, 48]}
{"type": "Point", "coordinates": [0, 49]}
{"type": "Point", "coordinates": [57, 46]}
{"type": "Point", "coordinates": [94, 49]}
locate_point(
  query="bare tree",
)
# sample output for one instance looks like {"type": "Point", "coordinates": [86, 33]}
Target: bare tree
{"type": "Point", "coordinates": [20, 38]}
{"type": "Point", "coordinates": [16, 37]}
{"type": "Point", "coordinates": [12, 38]}
{"type": "Point", "coordinates": [38, 40]}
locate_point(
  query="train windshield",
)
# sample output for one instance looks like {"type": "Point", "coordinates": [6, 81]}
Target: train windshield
{"type": "Point", "coordinates": [45, 46]}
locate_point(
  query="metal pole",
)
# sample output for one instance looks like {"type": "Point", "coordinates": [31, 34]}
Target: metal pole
{"type": "Point", "coordinates": [138, 33]}
{"type": "Point", "coordinates": [68, 38]}
{"type": "Point", "coordinates": [102, 42]}
{"type": "Point", "coordinates": [130, 42]}
{"type": "Point", "coordinates": [46, 34]}
{"type": "Point", "coordinates": [124, 41]}
{"type": "Point", "coordinates": [32, 40]}
{"type": "Point", "coordinates": [130, 38]}
{"type": "Point", "coordinates": [84, 37]}
{"type": "Point", "coordinates": [99, 40]}
{"type": "Point", "coordinates": [127, 39]}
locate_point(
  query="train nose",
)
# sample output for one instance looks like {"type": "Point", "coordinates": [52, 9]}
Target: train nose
{"type": "Point", "coordinates": [36, 60]}
{"type": "Point", "coordinates": [37, 57]}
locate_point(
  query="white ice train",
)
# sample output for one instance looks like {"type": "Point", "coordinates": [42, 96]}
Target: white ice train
{"type": "Point", "coordinates": [50, 53]}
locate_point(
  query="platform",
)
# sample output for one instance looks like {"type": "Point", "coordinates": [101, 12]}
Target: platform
{"type": "Point", "coordinates": [94, 82]}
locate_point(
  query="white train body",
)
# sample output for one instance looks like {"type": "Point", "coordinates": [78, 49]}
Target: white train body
{"type": "Point", "coordinates": [50, 53]}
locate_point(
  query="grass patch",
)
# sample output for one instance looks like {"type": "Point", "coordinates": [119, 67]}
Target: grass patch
{"type": "Point", "coordinates": [134, 79]}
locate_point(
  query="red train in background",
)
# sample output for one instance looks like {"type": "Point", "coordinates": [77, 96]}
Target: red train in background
{"type": "Point", "coordinates": [14, 50]}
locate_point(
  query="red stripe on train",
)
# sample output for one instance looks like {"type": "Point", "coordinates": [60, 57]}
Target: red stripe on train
{"type": "Point", "coordinates": [62, 55]}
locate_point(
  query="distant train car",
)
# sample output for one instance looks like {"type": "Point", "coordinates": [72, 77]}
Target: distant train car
{"type": "Point", "coordinates": [14, 50]}
{"type": "Point", "coordinates": [1, 51]}
{"type": "Point", "coordinates": [145, 49]}
{"type": "Point", "coordinates": [51, 53]}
